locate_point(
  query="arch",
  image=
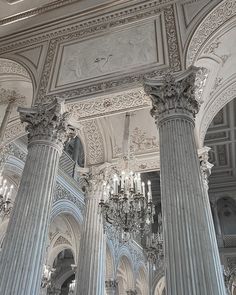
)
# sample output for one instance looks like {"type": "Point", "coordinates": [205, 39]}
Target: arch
{"type": "Point", "coordinates": [160, 287]}
{"type": "Point", "coordinates": [142, 281]}
{"type": "Point", "coordinates": [14, 77]}
{"type": "Point", "coordinates": [125, 275]}
{"type": "Point", "coordinates": [226, 207]}
{"type": "Point", "coordinates": [224, 12]}
{"type": "Point", "coordinates": [73, 218]}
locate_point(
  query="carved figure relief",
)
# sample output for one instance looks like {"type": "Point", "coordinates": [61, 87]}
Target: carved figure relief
{"type": "Point", "coordinates": [128, 48]}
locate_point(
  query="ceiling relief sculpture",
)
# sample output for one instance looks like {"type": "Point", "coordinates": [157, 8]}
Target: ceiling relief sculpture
{"type": "Point", "coordinates": [122, 50]}
{"type": "Point", "coordinates": [106, 62]}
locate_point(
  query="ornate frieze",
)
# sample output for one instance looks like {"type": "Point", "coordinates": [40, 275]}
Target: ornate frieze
{"type": "Point", "coordinates": [47, 122]}
{"type": "Point", "coordinates": [107, 105]}
{"type": "Point", "coordinates": [174, 95]}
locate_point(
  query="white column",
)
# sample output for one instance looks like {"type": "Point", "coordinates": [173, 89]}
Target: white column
{"type": "Point", "coordinates": [90, 277]}
{"type": "Point", "coordinates": [111, 287]}
{"type": "Point", "coordinates": [191, 252]}
{"type": "Point", "coordinates": [23, 251]}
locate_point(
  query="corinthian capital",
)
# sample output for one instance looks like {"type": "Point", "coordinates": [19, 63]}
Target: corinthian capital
{"type": "Point", "coordinates": [47, 122]}
{"type": "Point", "coordinates": [174, 94]}
{"type": "Point", "coordinates": [97, 176]}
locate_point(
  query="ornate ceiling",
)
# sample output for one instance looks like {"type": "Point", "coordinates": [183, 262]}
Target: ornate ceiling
{"type": "Point", "coordinates": [97, 58]}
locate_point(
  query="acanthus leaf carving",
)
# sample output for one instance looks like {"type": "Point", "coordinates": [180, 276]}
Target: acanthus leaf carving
{"type": "Point", "coordinates": [47, 122]}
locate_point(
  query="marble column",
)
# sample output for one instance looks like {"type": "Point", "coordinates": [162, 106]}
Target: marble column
{"type": "Point", "coordinates": [111, 287]}
{"type": "Point", "coordinates": [21, 261]}
{"type": "Point", "coordinates": [190, 247]}
{"type": "Point", "coordinates": [90, 277]}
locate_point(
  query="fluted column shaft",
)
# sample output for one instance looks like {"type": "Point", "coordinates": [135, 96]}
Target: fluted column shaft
{"type": "Point", "coordinates": [191, 252]}
{"type": "Point", "coordinates": [23, 251]}
{"type": "Point", "coordinates": [90, 278]}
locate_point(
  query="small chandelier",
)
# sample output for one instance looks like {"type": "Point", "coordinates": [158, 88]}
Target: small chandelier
{"type": "Point", "coordinates": [72, 287]}
{"type": "Point", "coordinates": [47, 276]}
{"type": "Point", "coordinates": [154, 244]}
{"type": "Point", "coordinates": [127, 205]}
{"type": "Point", "coordinates": [6, 203]}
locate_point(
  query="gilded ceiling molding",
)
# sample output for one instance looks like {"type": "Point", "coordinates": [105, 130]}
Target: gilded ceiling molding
{"type": "Point", "coordinates": [214, 20]}
{"type": "Point", "coordinates": [109, 104]}
{"type": "Point", "coordinates": [225, 94]}
{"type": "Point", "coordinates": [35, 11]}
{"type": "Point", "coordinates": [124, 80]}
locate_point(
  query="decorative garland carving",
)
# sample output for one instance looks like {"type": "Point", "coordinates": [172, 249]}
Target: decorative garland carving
{"type": "Point", "coordinates": [221, 14]}
{"type": "Point", "coordinates": [107, 105]}
{"type": "Point", "coordinates": [94, 142]}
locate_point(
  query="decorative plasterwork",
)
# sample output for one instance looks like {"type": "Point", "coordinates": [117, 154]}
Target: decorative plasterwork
{"type": "Point", "coordinates": [94, 142]}
{"type": "Point", "coordinates": [13, 68]}
{"type": "Point", "coordinates": [14, 131]}
{"type": "Point", "coordinates": [63, 194]}
{"type": "Point", "coordinates": [221, 14]}
{"type": "Point", "coordinates": [9, 95]}
{"type": "Point", "coordinates": [109, 104]}
{"type": "Point", "coordinates": [61, 241]}
{"type": "Point", "coordinates": [225, 95]}
{"type": "Point", "coordinates": [149, 9]}
{"type": "Point", "coordinates": [33, 12]}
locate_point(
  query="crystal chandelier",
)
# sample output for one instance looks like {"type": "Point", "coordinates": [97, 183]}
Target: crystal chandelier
{"type": "Point", "coordinates": [6, 203]}
{"type": "Point", "coordinates": [72, 287]}
{"type": "Point", "coordinates": [47, 276]}
{"type": "Point", "coordinates": [154, 244]}
{"type": "Point", "coordinates": [126, 202]}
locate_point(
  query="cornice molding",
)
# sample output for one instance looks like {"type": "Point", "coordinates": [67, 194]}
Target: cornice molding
{"type": "Point", "coordinates": [35, 11]}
